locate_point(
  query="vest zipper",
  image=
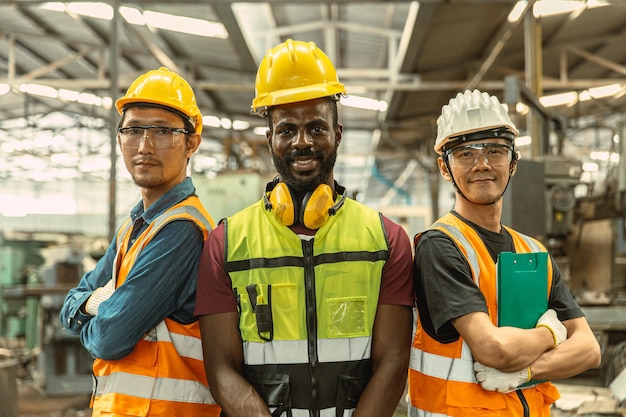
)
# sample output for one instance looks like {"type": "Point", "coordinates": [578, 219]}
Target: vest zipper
{"type": "Point", "coordinates": [523, 402]}
{"type": "Point", "coordinates": [311, 323]}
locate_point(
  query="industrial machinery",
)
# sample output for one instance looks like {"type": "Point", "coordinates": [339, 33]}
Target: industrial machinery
{"type": "Point", "coordinates": [580, 221]}
{"type": "Point", "coordinates": [58, 364]}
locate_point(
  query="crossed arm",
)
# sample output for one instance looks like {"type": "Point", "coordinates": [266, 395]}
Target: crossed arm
{"type": "Point", "coordinates": [510, 349]}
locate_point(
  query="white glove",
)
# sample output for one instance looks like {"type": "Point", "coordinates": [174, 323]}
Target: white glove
{"type": "Point", "coordinates": [550, 321]}
{"type": "Point", "coordinates": [493, 380]}
{"type": "Point", "coordinates": [99, 295]}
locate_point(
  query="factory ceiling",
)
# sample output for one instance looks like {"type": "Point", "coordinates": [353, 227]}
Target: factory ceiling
{"type": "Point", "coordinates": [61, 65]}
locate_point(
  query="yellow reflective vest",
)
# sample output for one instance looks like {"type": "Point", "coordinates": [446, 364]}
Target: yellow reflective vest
{"type": "Point", "coordinates": [441, 376]}
{"type": "Point", "coordinates": [307, 306]}
{"type": "Point", "coordinates": [164, 374]}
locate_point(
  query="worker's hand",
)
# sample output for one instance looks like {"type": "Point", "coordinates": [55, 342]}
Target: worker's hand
{"type": "Point", "coordinates": [550, 321]}
{"type": "Point", "coordinates": [493, 380]}
{"type": "Point", "coordinates": [99, 295]}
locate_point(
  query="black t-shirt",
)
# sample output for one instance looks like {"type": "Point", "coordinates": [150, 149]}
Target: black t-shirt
{"type": "Point", "coordinates": [445, 289]}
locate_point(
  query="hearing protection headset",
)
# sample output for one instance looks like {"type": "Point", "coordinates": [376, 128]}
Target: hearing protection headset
{"type": "Point", "coordinates": [316, 206]}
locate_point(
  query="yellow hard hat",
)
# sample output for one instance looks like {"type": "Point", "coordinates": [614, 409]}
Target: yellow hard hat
{"type": "Point", "coordinates": [166, 88]}
{"type": "Point", "coordinates": [468, 112]}
{"type": "Point", "coordinates": [294, 71]}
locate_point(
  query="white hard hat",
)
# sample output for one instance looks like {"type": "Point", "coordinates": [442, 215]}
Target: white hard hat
{"type": "Point", "coordinates": [468, 112]}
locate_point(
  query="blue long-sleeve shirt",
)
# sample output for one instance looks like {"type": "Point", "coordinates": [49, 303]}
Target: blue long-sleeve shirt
{"type": "Point", "coordinates": [161, 283]}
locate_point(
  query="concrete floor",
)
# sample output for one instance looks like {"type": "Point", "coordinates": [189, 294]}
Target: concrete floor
{"type": "Point", "coordinates": [31, 403]}
{"type": "Point", "coordinates": [575, 400]}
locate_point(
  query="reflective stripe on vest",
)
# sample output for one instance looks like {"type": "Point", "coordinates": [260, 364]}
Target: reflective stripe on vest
{"type": "Point", "coordinates": [164, 374]}
{"type": "Point", "coordinates": [453, 369]}
{"type": "Point", "coordinates": [449, 367]}
{"type": "Point", "coordinates": [295, 351]}
{"type": "Point", "coordinates": [168, 389]}
{"type": "Point", "coordinates": [186, 345]}
{"type": "Point", "coordinates": [189, 209]}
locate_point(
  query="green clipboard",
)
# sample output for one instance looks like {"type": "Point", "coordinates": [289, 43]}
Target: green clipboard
{"type": "Point", "coordinates": [522, 288]}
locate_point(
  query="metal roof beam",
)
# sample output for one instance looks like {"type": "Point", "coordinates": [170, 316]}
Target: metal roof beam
{"type": "Point", "coordinates": [603, 62]}
{"type": "Point", "coordinates": [496, 45]}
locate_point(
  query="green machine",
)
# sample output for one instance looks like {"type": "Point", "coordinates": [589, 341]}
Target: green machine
{"type": "Point", "coordinates": [18, 259]}
{"type": "Point", "coordinates": [34, 280]}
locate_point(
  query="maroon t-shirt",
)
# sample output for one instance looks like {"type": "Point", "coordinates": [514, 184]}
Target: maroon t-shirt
{"type": "Point", "coordinates": [215, 293]}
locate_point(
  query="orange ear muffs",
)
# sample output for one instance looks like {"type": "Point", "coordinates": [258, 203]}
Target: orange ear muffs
{"type": "Point", "coordinates": [282, 204]}
{"type": "Point", "coordinates": [315, 207]}
{"type": "Point", "coordinates": [313, 212]}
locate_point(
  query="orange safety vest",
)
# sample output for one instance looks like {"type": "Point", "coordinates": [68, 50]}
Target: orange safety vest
{"type": "Point", "coordinates": [441, 376]}
{"type": "Point", "coordinates": [164, 374]}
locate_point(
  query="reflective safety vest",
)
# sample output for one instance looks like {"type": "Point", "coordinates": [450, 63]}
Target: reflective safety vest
{"type": "Point", "coordinates": [307, 307]}
{"type": "Point", "coordinates": [164, 374]}
{"type": "Point", "coordinates": [441, 376]}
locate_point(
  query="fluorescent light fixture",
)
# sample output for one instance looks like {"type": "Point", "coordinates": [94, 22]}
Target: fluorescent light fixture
{"type": "Point", "coordinates": [516, 13]}
{"type": "Point", "coordinates": [91, 9]}
{"type": "Point", "coordinates": [88, 98]}
{"type": "Point", "coordinates": [620, 93]}
{"type": "Point", "coordinates": [100, 10]}
{"type": "Point", "coordinates": [240, 125]}
{"type": "Point", "coordinates": [521, 108]}
{"type": "Point", "coordinates": [4, 88]}
{"type": "Point", "coordinates": [39, 90]}
{"type": "Point", "coordinates": [561, 99]}
{"type": "Point", "coordinates": [260, 130]}
{"type": "Point", "coordinates": [211, 121]}
{"type": "Point", "coordinates": [55, 6]}
{"type": "Point", "coordinates": [584, 96]}
{"type": "Point", "coordinates": [600, 155]}
{"type": "Point", "coordinates": [605, 91]}
{"type": "Point", "coordinates": [572, 97]}
{"type": "Point", "coordinates": [523, 141]}
{"type": "Point", "coordinates": [226, 123]}
{"type": "Point", "coordinates": [66, 95]}
{"type": "Point", "coordinates": [590, 167]}
{"type": "Point", "coordinates": [364, 103]}
{"type": "Point", "coordinates": [553, 7]}
{"type": "Point", "coordinates": [604, 156]}
{"type": "Point", "coordinates": [183, 24]}
{"type": "Point", "coordinates": [133, 16]}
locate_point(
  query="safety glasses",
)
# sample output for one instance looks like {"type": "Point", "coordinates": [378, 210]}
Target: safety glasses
{"type": "Point", "coordinates": [159, 137]}
{"type": "Point", "coordinates": [466, 156]}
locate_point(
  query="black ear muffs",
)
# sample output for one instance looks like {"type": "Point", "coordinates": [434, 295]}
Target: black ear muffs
{"type": "Point", "coordinates": [316, 207]}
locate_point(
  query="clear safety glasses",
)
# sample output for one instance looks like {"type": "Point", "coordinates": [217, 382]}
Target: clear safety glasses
{"type": "Point", "coordinates": [494, 154]}
{"type": "Point", "coordinates": [159, 137]}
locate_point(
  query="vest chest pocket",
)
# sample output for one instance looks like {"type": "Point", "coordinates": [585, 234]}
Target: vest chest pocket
{"type": "Point", "coordinates": [269, 311]}
{"type": "Point", "coordinates": [347, 317]}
